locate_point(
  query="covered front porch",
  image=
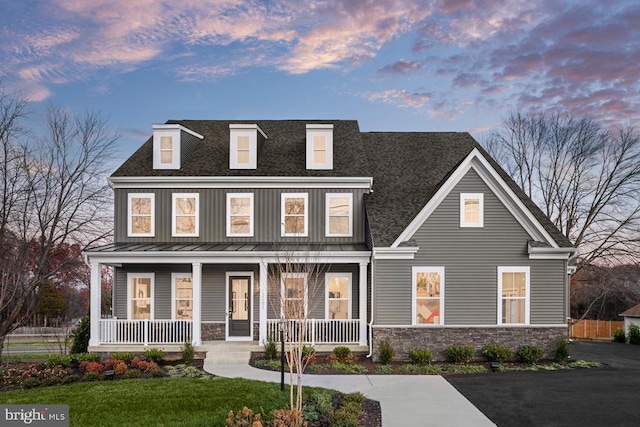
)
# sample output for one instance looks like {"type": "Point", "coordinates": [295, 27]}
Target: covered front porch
{"type": "Point", "coordinates": [229, 297]}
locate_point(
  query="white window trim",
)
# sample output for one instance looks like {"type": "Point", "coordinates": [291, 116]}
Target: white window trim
{"type": "Point", "coordinates": [175, 196]}
{"type": "Point", "coordinates": [174, 277]}
{"type": "Point", "coordinates": [240, 196]}
{"type": "Point", "coordinates": [414, 273]}
{"type": "Point", "coordinates": [325, 130]}
{"type": "Point", "coordinates": [131, 196]}
{"type": "Point", "coordinates": [283, 198]}
{"type": "Point", "coordinates": [250, 131]}
{"type": "Point", "coordinates": [328, 197]}
{"type": "Point", "coordinates": [480, 197]}
{"type": "Point", "coordinates": [527, 300]}
{"type": "Point", "coordinates": [327, 279]}
{"type": "Point", "coordinates": [131, 276]}
{"type": "Point", "coordinates": [283, 294]}
{"type": "Point", "coordinates": [175, 148]}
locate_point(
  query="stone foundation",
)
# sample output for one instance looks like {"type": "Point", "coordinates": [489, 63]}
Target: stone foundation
{"type": "Point", "coordinates": [212, 331]}
{"type": "Point", "coordinates": [438, 339]}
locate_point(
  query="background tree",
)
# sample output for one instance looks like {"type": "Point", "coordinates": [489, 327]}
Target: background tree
{"type": "Point", "coordinates": [54, 194]}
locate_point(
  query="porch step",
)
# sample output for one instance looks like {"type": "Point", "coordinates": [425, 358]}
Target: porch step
{"type": "Point", "coordinates": [228, 353]}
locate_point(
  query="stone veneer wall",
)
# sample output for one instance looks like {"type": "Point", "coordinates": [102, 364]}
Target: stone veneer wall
{"type": "Point", "coordinates": [216, 331]}
{"type": "Point", "coordinates": [438, 339]}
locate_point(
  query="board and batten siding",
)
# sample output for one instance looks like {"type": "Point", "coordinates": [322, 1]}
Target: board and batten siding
{"type": "Point", "coordinates": [470, 257]}
{"type": "Point", "coordinates": [213, 211]}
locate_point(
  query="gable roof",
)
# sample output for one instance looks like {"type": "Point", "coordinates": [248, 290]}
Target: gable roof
{"type": "Point", "coordinates": [632, 312]}
{"type": "Point", "coordinates": [283, 153]}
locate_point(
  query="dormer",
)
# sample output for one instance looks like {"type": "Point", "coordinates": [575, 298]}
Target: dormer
{"type": "Point", "coordinates": [319, 146]}
{"type": "Point", "coordinates": [245, 141]}
{"type": "Point", "coordinates": [171, 145]}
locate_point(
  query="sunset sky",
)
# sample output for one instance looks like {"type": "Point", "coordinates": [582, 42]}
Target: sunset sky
{"type": "Point", "coordinates": [435, 65]}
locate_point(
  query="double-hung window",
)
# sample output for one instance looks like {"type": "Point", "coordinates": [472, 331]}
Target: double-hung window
{"type": "Point", "coordinates": [239, 214]}
{"type": "Point", "coordinates": [141, 214]}
{"type": "Point", "coordinates": [513, 295]}
{"type": "Point", "coordinates": [339, 215]}
{"type": "Point", "coordinates": [140, 295]}
{"type": "Point", "coordinates": [338, 297]}
{"type": "Point", "coordinates": [295, 214]}
{"type": "Point", "coordinates": [166, 150]}
{"type": "Point", "coordinates": [185, 218]}
{"type": "Point", "coordinates": [428, 295]}
{"type": "Point", "coordinates": [182, 291]}
{"type": "Point", "coordinates": [471, 210]}
{"type": "Point", "coordinates": [294, 295]}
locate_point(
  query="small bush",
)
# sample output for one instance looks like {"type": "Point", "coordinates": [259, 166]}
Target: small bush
{"type": "Point", "coordinates": [530, 354]}
{"type": "Point", "coordinates": [318, 405]}
{"type": "Point", "coordinates": [271, 348]}
{"type": "Point", "coordinates": [148, 367]}
{"type": "Point", "coordinates": [58, 360]}
{"type": "Point", "coordinates": [497, 353]}
{"type": "Point", "coordinates": [88, 357]}
{"type": "Point", "coordinates": [80, 336]}
{"type": "Point", "coordinates": [91, 367]}
{"type": "Point", "coordinates": [188, 352]}
{"type": "Point", "coordinates": [287, 418]}
{"type": "Point", "coordinates": [619, 336]}
{"type": "Point", "coordinates": [244, 418]}
{"type": "Point", "coordinates": [117, 366]}
{"type": "Point", "coordinates": [154, 355]}
{"type": "Point", "coordinates": [562, 350]}
{"type": "Point", "coordinates": [132, 373]}
{"type": "Point", "coordinates": [93, 376]}
{"type": "Point", "coordinates": [459, 353]}
{"type": "Point", "coordinates": [421, 356]}
{"type": "Point", "coordinates": [386, 352]}
{"type": "Point", "coordinates": [127, 357]}
{"type": "Point", "coordinates": [634, 334]}
{"type": "Point", "coordinates": [342, 353]}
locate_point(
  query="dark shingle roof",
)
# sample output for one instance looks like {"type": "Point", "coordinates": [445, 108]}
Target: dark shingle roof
{"type": "Point", "coordinates": [283, 153]}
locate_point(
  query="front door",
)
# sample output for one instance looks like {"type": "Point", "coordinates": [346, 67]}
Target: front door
{"type": "Point", "coordinates": [239, 306]}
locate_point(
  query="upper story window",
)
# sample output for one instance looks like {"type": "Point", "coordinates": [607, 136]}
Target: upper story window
{"type": "Point", "coordinates": [428, 295]}
{"type": "Point", "coordinates": [471, 210]}
{"type": "Point", "coordinates": [513, 295]}
{"type": "Point", "coordinates": [295, 214]}
{"type": "Point", "coordinates": [244, 147]}
{"type": "Point", "coordinates": [339, 215]}
{"type": "Point", "coordinates": [239, 214]}
{"type": "Point", "coordinates": [166, 150]}
{"type": "Point", "coordinates": [168, 145]}
{"type": "Point", "coordinates": [319, 146]}
{"type": "Point", "coordinates": [141, 215]}
{"type": "Point", "coordinates": [185, 215]}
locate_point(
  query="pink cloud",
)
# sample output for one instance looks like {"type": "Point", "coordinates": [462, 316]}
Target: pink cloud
{"type": "Point", "coordinates": [401, 66]}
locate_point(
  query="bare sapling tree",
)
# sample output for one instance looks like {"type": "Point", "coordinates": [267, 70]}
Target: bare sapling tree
{"type": "Point", "coordinates": [295, 286]}
{"type": "Point", "coordinates": [584, 177]}
{"type": "Point", "coordinates": [54, 195]}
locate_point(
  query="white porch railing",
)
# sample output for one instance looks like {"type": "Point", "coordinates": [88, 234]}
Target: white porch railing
{"type": "Point", "coordinates": [117, 331]}
{"type": "Point", "coordinates": [321, 331]}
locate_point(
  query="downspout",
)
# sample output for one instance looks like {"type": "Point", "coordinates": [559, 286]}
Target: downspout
{"type": "Point", "coordinates": [368, 356]}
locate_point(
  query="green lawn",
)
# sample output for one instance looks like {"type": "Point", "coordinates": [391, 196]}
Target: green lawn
{"type": "Point", "coordinates": [156, 402]}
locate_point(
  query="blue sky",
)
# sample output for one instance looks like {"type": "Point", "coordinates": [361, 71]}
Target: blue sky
{"type": "Point", "coordinates": [457, 65]}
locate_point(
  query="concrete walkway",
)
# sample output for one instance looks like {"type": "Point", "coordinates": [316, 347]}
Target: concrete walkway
{"type": "Point", "coordinates": [406, 400]}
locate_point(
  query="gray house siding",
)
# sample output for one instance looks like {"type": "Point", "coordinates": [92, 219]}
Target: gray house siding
{"type": "Point", "coordinates": [470, 257]}
{"type": "Point", "coordinates": [213, 211]}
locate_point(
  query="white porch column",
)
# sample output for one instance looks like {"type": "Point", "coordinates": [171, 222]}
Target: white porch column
{"type": "Point", "coordinates": [94, 306]}
{"type": "Point", "coordinates": [263, 303]}
{"type": "Point", "coordinates": [196, 276]}
{"type": "Point", "coordinates": [362, 286]}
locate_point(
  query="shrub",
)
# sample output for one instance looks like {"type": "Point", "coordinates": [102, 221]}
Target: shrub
{"type": "Point", "coordinates": [80, 336]}
{"type": "Point", "coordinates": [132, 373]}
{"type": "Point", "coordinates": [459, 353]}
{"type": "Point", "coordinates": [287, 418]}
{"type": "Point", "coordinates": [562, 350]}
{"type": "Point", "coordinates": [349, 412]}
{"type": "Point", "coordinates": [271, 348]}
{"type": "Point", "coordinates": [148, 367]}
{"type": "Point", "coordinates": [30, 376]}
{"type": "Point", "coordinates": [89, 357]}
{"type": "Point", "coordinates": [530, 354]}
{"type": "Point", "coordinates": [308, 354]}
{"type": "Point", "coordinates": [634, 334]}
{"type": "Point", "coordinates": [154, 354]}
{"type": "Point", "coordinates": [342, 353]}
{"type": "Point", "coordinates": [497, 353]}
{"type": "Point", "coordinates": [188, 352]}
{"type": "Point", "coordinates": [244, 418]}
{"type": "Point", "coordinates": [619, 336]}
{"type": "Point", "coordinates": [386, 351]}
{"type": "Point", "coordinates": [318, 405]}
{"type": "Point", "coordinates": [117, 366]}
{"type": "Point", "coordinates": [127, 357]}
{"type": "Point", "coordinates": [58, 360]}
{"type": "Point", "coordinates": [421, 356]}
{"type": "Point", "coordinates": [87, 366]}
{"type": "Point", "coordinates": [93, 376]}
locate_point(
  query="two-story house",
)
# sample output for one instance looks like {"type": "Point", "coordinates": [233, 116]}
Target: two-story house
{"type": "Point", "coordinates": [421, 237]}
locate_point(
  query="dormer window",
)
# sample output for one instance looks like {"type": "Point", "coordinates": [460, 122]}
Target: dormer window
{"type": "Point", "coordinates": [319, 146]}
{"type": "Point", "coordinates": [245, 142]}
{"type": "Point", "coordinates": [172, 143]}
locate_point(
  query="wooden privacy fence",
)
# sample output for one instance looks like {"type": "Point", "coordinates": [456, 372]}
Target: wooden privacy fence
{"type": "Point", "coordinates": [595, 329]}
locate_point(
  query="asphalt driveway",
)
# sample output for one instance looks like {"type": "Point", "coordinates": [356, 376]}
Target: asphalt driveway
{"type": "Point", "coordinates": [607, 396]}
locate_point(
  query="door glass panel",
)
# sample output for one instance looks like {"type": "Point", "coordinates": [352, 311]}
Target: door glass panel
{"type": "Point", "coordinates": [239, 299]}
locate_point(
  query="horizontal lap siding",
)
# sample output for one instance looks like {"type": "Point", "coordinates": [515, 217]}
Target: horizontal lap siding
{"type": "Point", "coordinates": [471, 257]}
{"type": "Point", "coordinates": [213, 210]}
